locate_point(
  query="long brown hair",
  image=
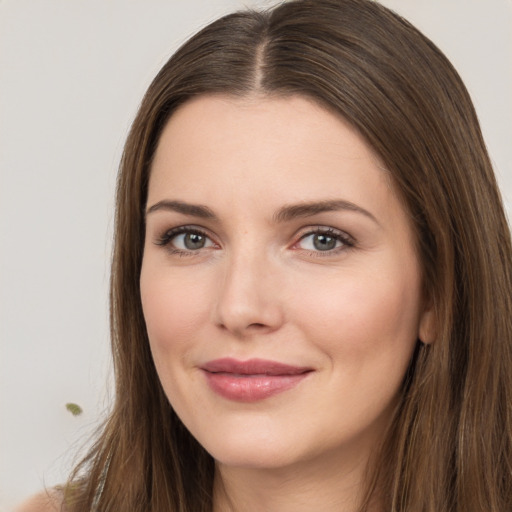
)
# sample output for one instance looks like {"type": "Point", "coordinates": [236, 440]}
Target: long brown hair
{"type": "Point", "coordinates": [450, 446]}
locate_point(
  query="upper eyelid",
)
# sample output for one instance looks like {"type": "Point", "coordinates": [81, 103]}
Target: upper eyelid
{"type": "Point", "coordinates": [163, 237]}
{"type": "Point", "coordinates": [315, 228]}
{"type": "Point", "coordinates": [319, 229]}
{"type": "Point", "coordinates": [186, 229]}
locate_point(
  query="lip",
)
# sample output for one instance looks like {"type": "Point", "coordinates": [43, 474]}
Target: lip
{"type": "Point", "coordinates": [252, 380]}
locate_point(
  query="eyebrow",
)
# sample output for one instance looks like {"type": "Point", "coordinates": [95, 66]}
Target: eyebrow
{"type": "Point", "coordinates": [294, 211]}
{"type": "Point", "coordinates": [194, 210]}
{"type": "Point", "coordinates": [284, 214]}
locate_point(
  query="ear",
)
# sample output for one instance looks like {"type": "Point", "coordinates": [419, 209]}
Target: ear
{"type": "Point", "coordinates": [427, 326]}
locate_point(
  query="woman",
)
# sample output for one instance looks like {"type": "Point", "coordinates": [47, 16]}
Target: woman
{"type": "Point", "coordinates": [311, 291]}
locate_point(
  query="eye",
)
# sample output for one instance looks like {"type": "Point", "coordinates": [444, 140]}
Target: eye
{"type": "Point", "coordinates": [191, 241]}
{"type": "Point", "coordinates": [325, 240]}
{"type": "Point", "coordinates": [185, 240]}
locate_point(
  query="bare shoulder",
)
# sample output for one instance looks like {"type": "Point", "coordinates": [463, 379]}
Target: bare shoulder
{"type": "Point", "coordinates": [47, 501]}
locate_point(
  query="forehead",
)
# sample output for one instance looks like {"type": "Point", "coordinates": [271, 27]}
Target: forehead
{"type": "Point", "coordinates": [286, 119]}
{"type": "Point", "coordinates": [294, 138]}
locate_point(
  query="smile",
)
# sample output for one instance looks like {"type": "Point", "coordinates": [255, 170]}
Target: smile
{"type": "Point", "coordinates": [252, 380]}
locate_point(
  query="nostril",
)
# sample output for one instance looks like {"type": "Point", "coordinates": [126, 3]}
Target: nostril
{"type": "Point", "coordinates": [256, 325]}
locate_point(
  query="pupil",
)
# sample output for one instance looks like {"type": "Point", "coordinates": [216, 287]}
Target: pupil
{"type": "Point", "coordinates": [194, 241]}
{"type": "Point", "coordinates": [324, 242]}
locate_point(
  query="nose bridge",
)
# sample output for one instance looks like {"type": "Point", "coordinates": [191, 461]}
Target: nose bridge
{"type": "Point", "coordinates": [248, 295]}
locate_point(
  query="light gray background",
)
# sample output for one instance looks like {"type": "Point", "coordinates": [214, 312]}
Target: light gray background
{"type": "Point", "coordinates": [72, 74]}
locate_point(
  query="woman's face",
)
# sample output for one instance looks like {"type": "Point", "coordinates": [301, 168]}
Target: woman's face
{"type": "Point", "coordinates": [280, 283]}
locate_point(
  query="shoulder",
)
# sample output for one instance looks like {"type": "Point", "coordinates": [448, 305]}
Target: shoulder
{"type": "Point", "coordinates": [47, 501]}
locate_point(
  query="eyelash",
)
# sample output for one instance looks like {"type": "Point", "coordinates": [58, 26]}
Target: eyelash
{"type": "Point", "coordinates": [347, 242]}
{"type": "Point", "coordinates": [166, 239]}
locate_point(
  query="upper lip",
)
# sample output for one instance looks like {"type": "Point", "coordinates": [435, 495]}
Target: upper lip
{"type": "Point", "coordinates": [253, 367]}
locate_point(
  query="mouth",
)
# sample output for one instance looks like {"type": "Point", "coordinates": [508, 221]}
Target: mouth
{"type": "Point", "coordinates": [252, 380]}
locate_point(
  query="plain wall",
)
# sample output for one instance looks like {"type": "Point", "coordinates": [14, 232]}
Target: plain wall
{"type": "Point", "coordinates": [72, 75]}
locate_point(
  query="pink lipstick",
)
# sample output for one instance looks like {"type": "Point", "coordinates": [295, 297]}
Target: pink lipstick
{"type": "Point", "coordinates": [251, 380]}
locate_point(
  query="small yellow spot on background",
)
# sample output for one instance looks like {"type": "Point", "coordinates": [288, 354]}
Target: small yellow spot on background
{"type": "Point", "coordinates": [74, 409]}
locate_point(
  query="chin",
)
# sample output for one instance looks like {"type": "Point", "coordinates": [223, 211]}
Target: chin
{"type": "Point", "coordinates": [256, 458]}
{"type": "Point", "coordinates": [254, 448]}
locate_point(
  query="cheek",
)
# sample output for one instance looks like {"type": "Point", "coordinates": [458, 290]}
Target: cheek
{"type": "Point", "coordinates": [363, 315]}
{"type": "Point", "coordinates": [173, 309]}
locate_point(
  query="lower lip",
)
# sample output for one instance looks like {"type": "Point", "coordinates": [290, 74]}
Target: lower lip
{"type": "Point", "coordinates": [251, 388]}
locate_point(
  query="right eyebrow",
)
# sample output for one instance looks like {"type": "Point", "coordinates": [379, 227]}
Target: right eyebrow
{"type": "Point", "coordinates": [195, 210]}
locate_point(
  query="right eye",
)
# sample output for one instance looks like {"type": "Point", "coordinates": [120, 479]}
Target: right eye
{"type": "Point", "coordinates": [185, 240]}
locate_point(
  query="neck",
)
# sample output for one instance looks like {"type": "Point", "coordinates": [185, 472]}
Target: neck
{"type": "Point", "coordinates": [327, 485]}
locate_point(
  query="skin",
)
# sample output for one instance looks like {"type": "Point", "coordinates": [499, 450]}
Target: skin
{"type": "Point", "coordinates": [50, 501]}
{"type": "Point", "coordinates": [351, 309]}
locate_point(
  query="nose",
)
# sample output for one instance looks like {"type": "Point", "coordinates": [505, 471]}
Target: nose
{"type": "Point", "coordinates": [248, 300]}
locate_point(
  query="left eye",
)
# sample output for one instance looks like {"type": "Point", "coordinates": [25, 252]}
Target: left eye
{"type": "Point", "coordinates": [322, 241]}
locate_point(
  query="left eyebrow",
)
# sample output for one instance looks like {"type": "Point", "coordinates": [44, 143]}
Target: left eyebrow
{"type": "Point", "coordinates": [294, 211]}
